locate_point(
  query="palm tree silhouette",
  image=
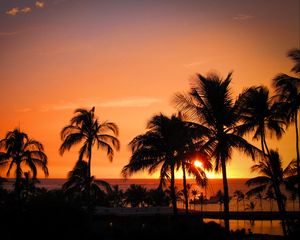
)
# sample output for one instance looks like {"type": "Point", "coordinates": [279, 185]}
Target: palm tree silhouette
{"type": "Point", "coordinates": [136, 195]}
{"type": "Point", "coordinates": [117, 196]}
{"type": "Point", "coordinates": [18, 151]}
{"type": "Point", "coordinates": [269, 195]}
{"type": "Point", "coordinates": [287, 90]}
{"type": "Point", "coordinates": [260, 114]}
{"type": "Point", "coordinates": [210, 101]}
{"type": "Point", "coordinates": [28, 185]}
{"type": "Point", "coordinates": [239, 195]}
{"type": "Point", "coordinates": [81, 186]}
{"type": "Point", "coordinates": [85, 128]}
{"type": "Point", "coordinates": [195, 194]}
{"type": "Point", "coordinates": [165, 145]}
{"type": "Point", "coordinates": [272, 176]}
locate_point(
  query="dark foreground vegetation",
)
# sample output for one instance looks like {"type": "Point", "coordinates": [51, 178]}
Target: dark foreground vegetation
{"type": "Point", "coordinates": [50, 216]}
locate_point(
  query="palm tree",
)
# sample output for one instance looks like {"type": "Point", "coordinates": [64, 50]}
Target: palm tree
{"type": "Point", "coordinates": [166, 144]}
{"type": "Point", "coordinates": [270, 196]}
{"type": "Point", "coordinates": [28, 185]}
{"type": "Point", "coordinates": [239, 195]}
{"type": "Point", "coordinates": [260, 114]}
{"type": "Point", "coordinates": [85, 128]}
{"type": "Point", "coordinates": [190, 135]}
{"type": "Point", "coordinates": [272, 176]}
{"type": "Point", "coordinates": [18, 151]}
{"type": "Point", "coordinates": [195, 194]}
{"type": "Point", "coordinates": [117, 196]}
{"type": "Point", "coordinates": [211, 103]}
{"type": "Point", "coordinates": [158, 197]}
{"type": "Point", "coordinates": [136, 195]}
{"type": "Point", "coordinates": [287, 90]}
{"type": "Point", "coordinates": [81, 186]}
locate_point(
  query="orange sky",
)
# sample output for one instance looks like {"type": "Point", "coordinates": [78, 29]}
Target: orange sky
{"type": "Point", "coordinates": [128, 58]}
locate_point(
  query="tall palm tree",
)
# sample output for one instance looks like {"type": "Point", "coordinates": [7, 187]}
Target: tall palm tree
{"type": "Point", "coordinates": [18, 150]}
{"type": "Point", "coordinates": [166, 144]}
{"type": "Point", "coordinates": [210, 102]}
{"type": "Point", "coordinates": [260, 114]}
{"type": "Point", "coordinates": [287, 90]}
{"type": "Point", "coordinates": [272, 176]}
{"type": "Point", "coordinates": [85, 128]}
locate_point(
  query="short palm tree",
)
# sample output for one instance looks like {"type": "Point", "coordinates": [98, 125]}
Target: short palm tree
{"type": "Point", "coordinates": [18, 151]}
{"type": "Point", "coordinates": [210, 102]}
{"type": "Point", "coordinates": [116, 196]}
{"type": "Point", "coordinates": [166, 144]}
{"type": "Point", "coordinates": [272, 176]}
{"type": "Point", "coordinates": [269, 195]}
{"type": "Point", "coordinates": [287, 90]}
{"type": "Point", "coordinates": [80, 186]}
{"type": "Point", "coordinates": [239, 195]}
{"type": "Point", "coordinates": [85, 128]}
{"type": "Point", "coordinates": [136, 195]}
{"type": "Point", "coordinates": [195, 193]}
{"type": "Point", "coordinates": [260, 114]}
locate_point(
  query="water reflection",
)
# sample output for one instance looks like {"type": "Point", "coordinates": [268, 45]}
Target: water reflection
{"type": "Point", "coordinates": [257, 226]}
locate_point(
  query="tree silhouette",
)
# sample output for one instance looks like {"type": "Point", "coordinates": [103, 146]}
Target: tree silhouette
{"type": "Point", "coordinates": [18, 150]}
{"type": "Point", "coordinates": [287, 90]}
{"type": "Point", "coordinates": [166, 144]}
{"type": "Point", "coordinates": [239, 195]}
{"type": "Point", "coordinates": [260, 114]}
{"type": "Point", "coordinates": [80, 186]}
{"type": "Point", "coordinates": [272, 176]}
{"type": "Point", "coordinates": [211, 103]}
{"type": "Point", "coordinates": [136, 195]}
{"type": "Point", "coordinates": [85, 128]}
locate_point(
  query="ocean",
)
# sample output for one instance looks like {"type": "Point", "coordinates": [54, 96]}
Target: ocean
{"type": "Point", "coordinates": [266, 227]}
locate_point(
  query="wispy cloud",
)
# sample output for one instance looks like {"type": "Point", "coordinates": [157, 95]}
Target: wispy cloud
{"type": "Point", "coordinates": [15, 10]}
{"type": "Point", "coordinates": [131, 102]}
{"type": "Point", "coordinates": [39, 4]}
{"type": "Point", "coordinates": [243, 17]}
{"type": "Point", "coordinates": [25, 10]}
{"type": "Point", "coordinates": [24, 110]}
{"type": "Point", "coordinates": [118, 103]}
{"type": "Point", "coordinates": [9, 33]}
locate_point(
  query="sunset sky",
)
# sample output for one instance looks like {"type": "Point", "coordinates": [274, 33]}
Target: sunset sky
{"type": "Point", "coordinates": [128, 58]}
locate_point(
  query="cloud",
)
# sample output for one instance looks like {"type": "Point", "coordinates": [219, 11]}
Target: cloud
{"type": "Point", "coordinates": [9, 33]}
{"type": "Point", "coordinates": [25, 10]}
{"type": "Point", "coordinates": [243, 17]}
{"type": "Point", "coordinates": [24, 110]}
{"type": "Point", "coordinates": [13, 12]}
{"type": "Point", "coordinates": [88, 103]}
{"type": "Point", "coordinates": [39, 4]}
{"type": "Point", "coordinates": [131, 102]}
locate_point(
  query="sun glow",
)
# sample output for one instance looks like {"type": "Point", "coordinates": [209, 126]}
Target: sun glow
{"type": "Point", "coordinates": [198, 164]}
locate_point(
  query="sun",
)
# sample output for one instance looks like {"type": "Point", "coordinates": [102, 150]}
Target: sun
{"type": "Point", "coordinates": [198, 164]}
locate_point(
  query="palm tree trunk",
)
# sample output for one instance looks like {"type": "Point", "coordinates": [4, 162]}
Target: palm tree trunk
{"type": "Point", "coordinates": [226, 197]}
{"type": "Point", "coordinates": [89, 173]}
{"type": "Point", "coordinates": [18, 181]}
{"type": "Point", "coordinates": [173, 194]}
{"type": "Point", "coordinates": [281, 206]}
{"type": "Point", "coordinates": [298, 157]}
{"type": "Point", "coordinates": [185, 190]}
